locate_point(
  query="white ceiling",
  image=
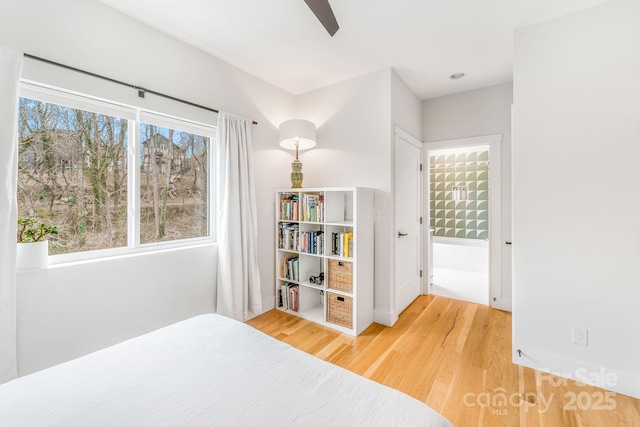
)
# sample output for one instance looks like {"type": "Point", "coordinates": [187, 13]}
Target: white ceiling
{"type": "Point", "coordinates": [425, 41]}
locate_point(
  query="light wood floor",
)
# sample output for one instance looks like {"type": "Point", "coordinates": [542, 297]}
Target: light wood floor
{"type": "Point", "coordinates": [456, 357]}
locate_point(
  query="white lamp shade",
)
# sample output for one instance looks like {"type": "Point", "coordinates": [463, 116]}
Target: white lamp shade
{"type": "Point", "coordinates": [301, 131]}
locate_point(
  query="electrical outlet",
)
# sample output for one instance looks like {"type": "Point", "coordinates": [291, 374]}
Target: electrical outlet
{"type": "Point", "coordinates": [580, 336]}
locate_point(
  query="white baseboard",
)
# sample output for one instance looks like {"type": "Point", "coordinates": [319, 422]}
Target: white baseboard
{"type": "Point", "coordinates": [383, 317]}
{"type": "Point", "coordinates": [605, 378]}
{"type": "Point", "coordinates": [502, 304]}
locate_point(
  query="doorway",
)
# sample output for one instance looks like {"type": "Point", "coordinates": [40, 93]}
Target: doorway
{"type": "Point", "coordinates": [463, 202]}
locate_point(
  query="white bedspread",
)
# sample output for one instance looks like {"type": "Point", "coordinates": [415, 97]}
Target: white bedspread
{"type": "Point", "coordinates": [208, 370]}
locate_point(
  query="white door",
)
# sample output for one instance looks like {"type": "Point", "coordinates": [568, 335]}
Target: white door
{"type": "Point", "coordinates": [407, 237]}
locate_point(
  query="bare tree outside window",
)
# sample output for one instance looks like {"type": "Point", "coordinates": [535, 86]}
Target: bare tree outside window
{"type": "Point", "coordinates": [72, 172]}
{"type": "Point", "coordinates": [173, 184]}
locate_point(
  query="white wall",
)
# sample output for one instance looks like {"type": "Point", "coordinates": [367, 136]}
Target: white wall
{"type": "Point", "coordinates": [576, 194]}
{"type": "Point", "coordinates": [406, 107]}
{"type": "Point", "coordinates": [485, 111]}
{"type": "Point", "coordinates": [355, 121]}
{"type": "Point", "coordinates": [88, 35]}
{"type": "Point", "coordinates": [354, 149]}
{"type": "Point", "coordinates": [68, 311]}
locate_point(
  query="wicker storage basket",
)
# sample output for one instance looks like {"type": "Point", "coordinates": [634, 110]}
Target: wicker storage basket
{"type": "Point", "coordinates": [340, 310]}
{"type": "Point", "coordinates": [340, 275]}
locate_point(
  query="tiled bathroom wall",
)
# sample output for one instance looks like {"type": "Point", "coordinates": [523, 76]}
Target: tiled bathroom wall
{"type": "Point", "coordinates": [456, 173]}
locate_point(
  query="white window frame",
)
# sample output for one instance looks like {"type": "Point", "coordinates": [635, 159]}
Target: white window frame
{"type": "Point", "coordinates": [135, 116]}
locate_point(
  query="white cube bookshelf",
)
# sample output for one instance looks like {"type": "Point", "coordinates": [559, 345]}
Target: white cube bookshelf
{"type": "Point", "coordinates": [310, 224]}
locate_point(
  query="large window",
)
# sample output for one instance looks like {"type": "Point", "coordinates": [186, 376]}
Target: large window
{"type": "Point", "coordinates": [110, 176]}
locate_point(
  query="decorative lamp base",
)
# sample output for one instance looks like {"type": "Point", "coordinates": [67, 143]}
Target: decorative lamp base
{"type": "Point", "coordinates": [296, 174]}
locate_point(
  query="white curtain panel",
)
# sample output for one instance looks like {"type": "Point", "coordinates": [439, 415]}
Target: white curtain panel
{"type": "Point", "coordinates": [10, 69]}
{"type": "Point", "coordinates": [238, 282]}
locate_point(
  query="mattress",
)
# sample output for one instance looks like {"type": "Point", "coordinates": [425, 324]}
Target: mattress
{"type": "Point", "coordinates": [204, 371]}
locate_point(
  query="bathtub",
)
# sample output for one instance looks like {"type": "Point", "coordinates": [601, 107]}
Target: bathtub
{"type": "Point", "coordinates": [461, 254]}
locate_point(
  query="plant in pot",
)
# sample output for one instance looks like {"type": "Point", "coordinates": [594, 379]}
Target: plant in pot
{"type": "Point", "coordinates": [33, 246]}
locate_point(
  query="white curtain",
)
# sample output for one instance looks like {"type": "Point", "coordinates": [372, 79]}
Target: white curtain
{"type": "Point", "coordinates": [238, 284]}
{"type": "Point", "coordinates": [10, 69]}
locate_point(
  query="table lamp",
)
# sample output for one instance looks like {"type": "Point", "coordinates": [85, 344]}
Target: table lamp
{"type": "Point", "coordinates": [297, 135]}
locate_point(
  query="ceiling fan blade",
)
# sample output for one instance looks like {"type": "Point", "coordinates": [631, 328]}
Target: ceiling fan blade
{"type": "Point", "coordinates": [324, 13]}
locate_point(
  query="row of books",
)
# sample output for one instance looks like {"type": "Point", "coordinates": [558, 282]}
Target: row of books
{"type": "Point", "coordinates": [290, 268]}
{"type": "Point", "coordinates": [289, 208]}
{"type": "Point", "coordinates": [342, 244]}
{"type": "Point", "coordinates": [312, 242]}
{"type": "Point", "coordinates": [288, 236]}
{"type": "Point", "coordinates": [288, 297]}
{"type": "Point", "coordinates": [313, 207]}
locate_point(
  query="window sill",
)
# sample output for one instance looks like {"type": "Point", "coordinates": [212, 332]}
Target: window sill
{"type": "Point", "coordinates": [61, 261]}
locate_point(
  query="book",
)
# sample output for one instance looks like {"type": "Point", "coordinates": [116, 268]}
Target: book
{"type": "Point", "coordinates": [289, 207]}
{"type": "Point", "coordinates": [342, 244]}
{"type": "Point", "coordinates": [289, 268]}
{"type": "Point", "coordinates": [289, 293]}
{"type": "Point", "coordinates": [288, 236]}
{"type": "Point", "coordinates": [348, 243]}
{"type": "Point", "coordinates": [313, 208]}
{"type": "Point", "coordinates": [312, 242]}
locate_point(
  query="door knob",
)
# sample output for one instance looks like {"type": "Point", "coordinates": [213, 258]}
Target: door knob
{"type": "Point", "coordinates": [401, 234]}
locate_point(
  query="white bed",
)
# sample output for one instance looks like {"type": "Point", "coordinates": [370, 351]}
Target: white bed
{"type": "Point", "coordinates": [208, 370]}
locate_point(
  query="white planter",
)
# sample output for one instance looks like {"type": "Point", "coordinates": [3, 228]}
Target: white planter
{"type": "Point", "coordinates": [32, 255]}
